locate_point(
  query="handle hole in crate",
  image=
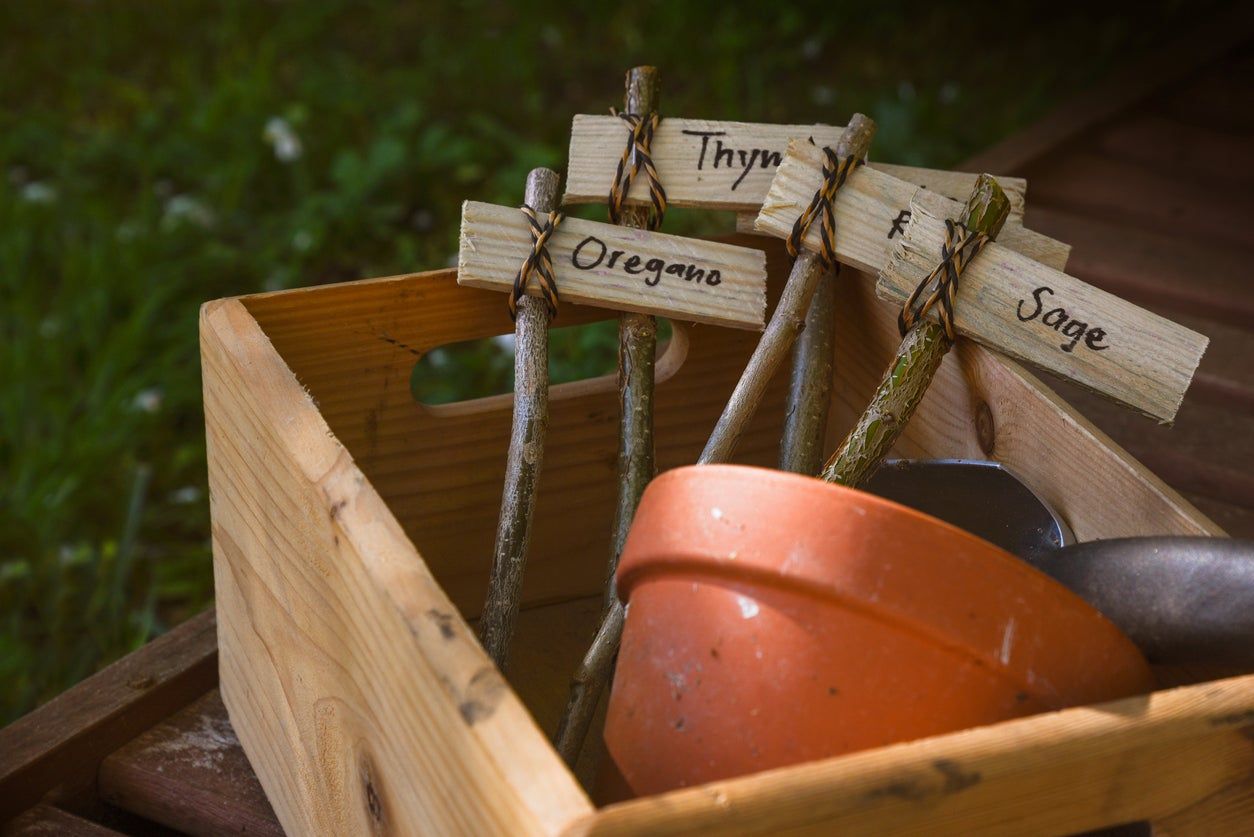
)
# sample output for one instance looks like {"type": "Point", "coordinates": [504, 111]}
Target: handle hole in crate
{"type": "Point", "coordinates": [473, 376]}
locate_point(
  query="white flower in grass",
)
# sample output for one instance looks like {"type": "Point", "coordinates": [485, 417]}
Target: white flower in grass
{"type": "Point", "coordinates": [184, 209]}
{"type": "Point", "coordinates": [186, 495]}
{"type": "Point", "coordinates": [302, 241]}
{"type": "Point", "coordinates": [505, 342]}
{"type": "Point", "coordinates": [128, 231]}
{"type": "Point", "coordinates": [287, 146]}
{"type": "Point", "coordinates": [148, 400]}
{"type": "Point", "coordinates": [41, 193]}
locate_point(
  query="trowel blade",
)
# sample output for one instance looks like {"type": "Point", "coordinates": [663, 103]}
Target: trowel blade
{"type": "Point", "coordinates": [984, 498]}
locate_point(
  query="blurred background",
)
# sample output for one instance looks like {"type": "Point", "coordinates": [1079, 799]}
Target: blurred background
{"type": "Point", "coordinates": [154, 156]}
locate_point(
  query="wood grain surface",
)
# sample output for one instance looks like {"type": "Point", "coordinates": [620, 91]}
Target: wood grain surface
{"type": "Point", "coordinates": [619, 267]}
{"type": "Point", "coordinates": [872, 209]}
{"type": "Point", "coordinates": [357, 690]}
{"type": "Point", "coordinates": [1053, 321]}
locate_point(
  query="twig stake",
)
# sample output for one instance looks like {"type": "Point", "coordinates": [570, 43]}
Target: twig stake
{"type": "Point", "coordinates": [810, 388]}
{"type": "Point", "coordinates": [637, 349]}
{"type": "Point", "coordinates": [907, 379]}
{"type": "Point", "coordinates": [526, 452]}
{"type": "Point", "coordinates": [787, 321]}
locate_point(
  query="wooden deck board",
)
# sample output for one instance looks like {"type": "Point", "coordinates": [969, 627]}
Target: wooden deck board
{"type": "Point", "coordinates": [1133, 195]}
{"type": "Point", "coordinates": [61, 742]}
{"type": "Point", "coordinates": [189, 773]}
{"type": "Point", "coordinates": [1166, 223]}
{"type": "Point", "coordinates": [1208, 452]}
{"type": "Point", "coordinates": [53, 821]}
{"type": "Point", "coordinates": [1153, 268]}
{"type": "Point", "coordinates": [1154, 139]}
{"type": "Point", "coordinates": [1216, 99]}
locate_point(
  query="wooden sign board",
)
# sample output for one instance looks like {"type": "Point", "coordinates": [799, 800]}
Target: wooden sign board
{"type": "Point", "coordinates": [712, 165]}
{"type": "Point", "coordinates": [619, 267]}
{"type": "Point", "coordinates": [956, 185]}
{"type": "Point", "coordinates": [719, 165]}
{"type": "Point", "coordinates": [1044, 317]}
{"type": "Point", "coordinates": [873, 208]}
{"type": "Point", "coordinates": [1139, 359]}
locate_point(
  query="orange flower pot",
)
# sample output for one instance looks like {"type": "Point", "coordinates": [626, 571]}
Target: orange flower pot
{"type": "Point", "coordinates": [775, 618]}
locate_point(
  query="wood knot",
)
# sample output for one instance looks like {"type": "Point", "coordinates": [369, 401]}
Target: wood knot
{"type": "Point", "coordinates": [140, 682]}
{"type": "Point", "coordinates": [444, 622]}
{"type": "Point", "coordinates": [985, 428]}
{"type": "Point", "coordinates": [955, 776]}
{"type": "Point", "coordinates": [483, 693]}
{"type": "Point", "coordinates": [376, 808]}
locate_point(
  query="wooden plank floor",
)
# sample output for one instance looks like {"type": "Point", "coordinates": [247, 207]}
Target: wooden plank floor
{"type": "Point", "coordinates": [1156, 204]}
{"type": "Point", "coordinates": [1153, 194]}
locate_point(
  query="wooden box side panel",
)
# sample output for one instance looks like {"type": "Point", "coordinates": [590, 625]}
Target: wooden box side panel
{"type": "Point", "coordinates": [359, 694]}
{"type": "Point", "coordinates": [354, 347]}
{"type": "Point", "coordinates": [440, 470]}
{"type": "Point", "coordinates": [1184, 757]}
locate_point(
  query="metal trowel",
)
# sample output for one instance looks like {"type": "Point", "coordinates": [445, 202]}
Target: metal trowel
{"type": "Point", "coordinates": [1181, 599]}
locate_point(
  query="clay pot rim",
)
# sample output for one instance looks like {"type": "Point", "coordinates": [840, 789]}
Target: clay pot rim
{"type": "Point", "coordinates": [629, 572]}
{"type": "Point", "coordinates": [698, 560]}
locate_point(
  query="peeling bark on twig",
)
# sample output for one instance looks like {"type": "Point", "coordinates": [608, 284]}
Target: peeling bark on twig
{"type": "Point", "coordinates": [782, 330]}
{"type": "Point", "coordinates": [810, 388]}
{"type": "Point", "coordinates": [526, 452]}
{"type": "Point", "coordinates": [637, 349]}
{"type": "Point", "coordinates": [906, 381]}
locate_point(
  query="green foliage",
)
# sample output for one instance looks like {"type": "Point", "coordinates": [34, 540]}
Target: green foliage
{"type": "Point", "coordinates": [156, 156]}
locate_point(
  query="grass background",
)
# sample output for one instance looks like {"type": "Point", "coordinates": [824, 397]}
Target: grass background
{"type": "Point", "coordinates": [153, 156]}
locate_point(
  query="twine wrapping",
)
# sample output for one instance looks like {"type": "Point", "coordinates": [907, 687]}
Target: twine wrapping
{"type": "Point", "coordinates": [538, 262]}
{"type": "Point", "coordinates": [960, 247]}
{"type": "Point", "coordinates": [835, 173]}
{"type": "Point", "coordinates": [636, 155]}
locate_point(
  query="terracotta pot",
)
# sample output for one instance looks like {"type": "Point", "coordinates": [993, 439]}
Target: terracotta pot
{"type": "Point", "coordinates": [776, 618]}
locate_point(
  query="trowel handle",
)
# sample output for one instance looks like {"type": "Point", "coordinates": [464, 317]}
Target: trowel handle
{"type": "Point", "coordinates": [1182, 600]}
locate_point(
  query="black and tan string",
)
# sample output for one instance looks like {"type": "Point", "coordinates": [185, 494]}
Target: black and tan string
{"type": "Point", "coordinates": [637, 155]}
{"type": "Point", "coordinates": [835, 172]}
{"type": "Point", "coordinates": [538, 262]}
{"type": "Point", "coordinates": [960, 247]}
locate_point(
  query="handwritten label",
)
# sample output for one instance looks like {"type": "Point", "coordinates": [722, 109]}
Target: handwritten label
{"type": "Point", "coordinates": [590, 253]}
{"type": "Point", "coordinates": [730, 157]}
{"type": "Point", "coordinates": [1058, 320]}
{"type": "Point", "coordinates": [899, 223]}
{"type": "Point", "coordinates": [1042, 316]}
{"type": "Point", "coordinates": [618, 267]}
{"type": "Point", "coordinates": [714, 165]}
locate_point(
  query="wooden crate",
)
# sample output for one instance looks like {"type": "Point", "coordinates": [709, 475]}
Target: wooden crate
{"type": "Point", "coordinates": [352, 533]}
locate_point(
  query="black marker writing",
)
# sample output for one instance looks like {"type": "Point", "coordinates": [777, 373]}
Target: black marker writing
{"type": "Point", "coordinates": [726, 156]}
{"type": "Point", "coordinates": [899, 223]}
{"type": "Point", "coordinates": [1060, 321]}
{"type": "Point", "coordinates": [590, 253]}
